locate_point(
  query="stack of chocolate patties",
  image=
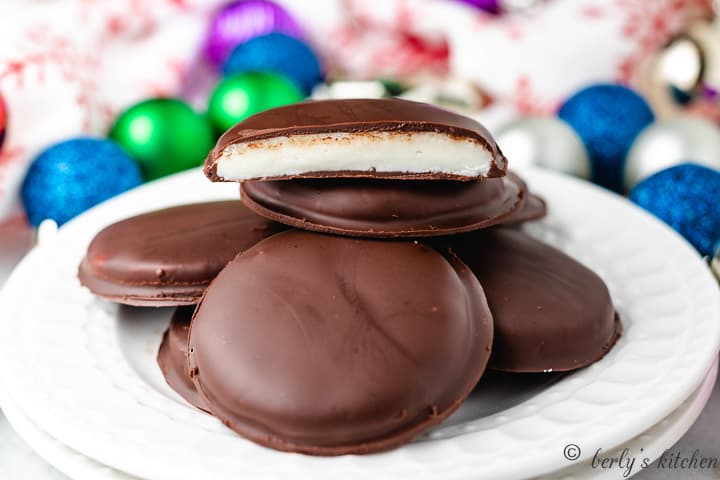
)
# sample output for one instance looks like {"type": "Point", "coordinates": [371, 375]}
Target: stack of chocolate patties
{"type": "Point", "coordinates": [371, 315]}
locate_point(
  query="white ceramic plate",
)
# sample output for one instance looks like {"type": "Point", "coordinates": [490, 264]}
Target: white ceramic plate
{"type": "Point", "coordinates": [79, 365]}
{"type": "Point", "coordinates": [650, 444]}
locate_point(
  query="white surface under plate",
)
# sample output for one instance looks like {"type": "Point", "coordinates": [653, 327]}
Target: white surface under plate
{"type": "Point", "coordinates": [84, 368]}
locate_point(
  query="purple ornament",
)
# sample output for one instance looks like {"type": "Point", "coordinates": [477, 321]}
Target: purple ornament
{"type": "Point", "coordinates": [489, 6]}
{"type": "Point", "coordinates": [242, 20]}
{"type": "Point", "coordinates": [3, 120]}
{"type": "Point", "coordinates": [709, 92]}
{"type": "Point", "coordinates": [199, 82]}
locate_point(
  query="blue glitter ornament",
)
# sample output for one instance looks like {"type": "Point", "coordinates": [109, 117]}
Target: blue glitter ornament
{"type": "Point", "coordinates": [277, 53]}
{"type": "Point", "coordinates": [686, 197]}
{"type": "Point", "coordinates": [72, 176]}
{"type": "Point", "coordinates": [608, 118]}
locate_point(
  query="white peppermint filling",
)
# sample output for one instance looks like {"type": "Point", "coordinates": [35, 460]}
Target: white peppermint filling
{"type": "Point", "coordinates": [391, 152]}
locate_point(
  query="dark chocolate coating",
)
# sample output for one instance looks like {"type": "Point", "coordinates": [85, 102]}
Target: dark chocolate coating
{"type": "Point", "coordinates": [551, 313]}
{"type": "Point", "coordinates": [172, 357]}
{"type": "Point", "coordinates": [329, 345]}
{"type": "Point", "coordinates": [168, 257]}
{"type": "Point", "coordinates": [532, 208]}
{"type": "Point", "coordinates": [358, 116]}
{"type": "Point", "coordinates": [384, 208]}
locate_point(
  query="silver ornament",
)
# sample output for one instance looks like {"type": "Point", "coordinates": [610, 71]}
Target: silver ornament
{"type": "Point", "coordinates": [46, 232]}
{"type": "Point", "coordinates": [519, 6]}
{"type": "Point", "coordinates": [547, 142]}
{"type": "Point", "coordinates": [451, 93]}
{"type": "Point", "coordinates": [715, 265]}
{"type": "Point", "coordinates": [349, 89]}
{"type": "Point", "coordinates": [707, 36]}
{"type": "Point", "coordinates": [670, 142]}
{"type": "Point", "coordinates": [681, 64]}
{"type": "Point", "coordinates": [681, 70]}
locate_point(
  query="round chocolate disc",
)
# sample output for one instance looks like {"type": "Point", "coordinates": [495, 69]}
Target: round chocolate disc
{"type": "Point", "coordinates": [172, 357]}
{"type": "Point", "coordinates": [551, 313]}
{"type": "Point", "coordinates": [168, 257]}
{"type": "Point", "coordinates": [328, 345]}
{"type": "Point", "coordinates": [384, 208]}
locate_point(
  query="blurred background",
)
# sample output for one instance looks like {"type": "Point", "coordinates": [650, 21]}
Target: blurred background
{"type": "Point", "coordinates": [97, 97]}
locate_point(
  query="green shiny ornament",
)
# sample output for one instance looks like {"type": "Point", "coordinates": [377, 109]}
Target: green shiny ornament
{"type": "Point", "coordinates": [238, 96]}
{"type": "Point", "coordinates": [164, 135]}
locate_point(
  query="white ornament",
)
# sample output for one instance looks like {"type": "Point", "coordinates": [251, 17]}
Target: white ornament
{"type": "Point", "coordinates": [547, 142]}
{"type": "Point", "coordinates": [669, 142]}
{"type": "Point", "coordinates": [349, 89]}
